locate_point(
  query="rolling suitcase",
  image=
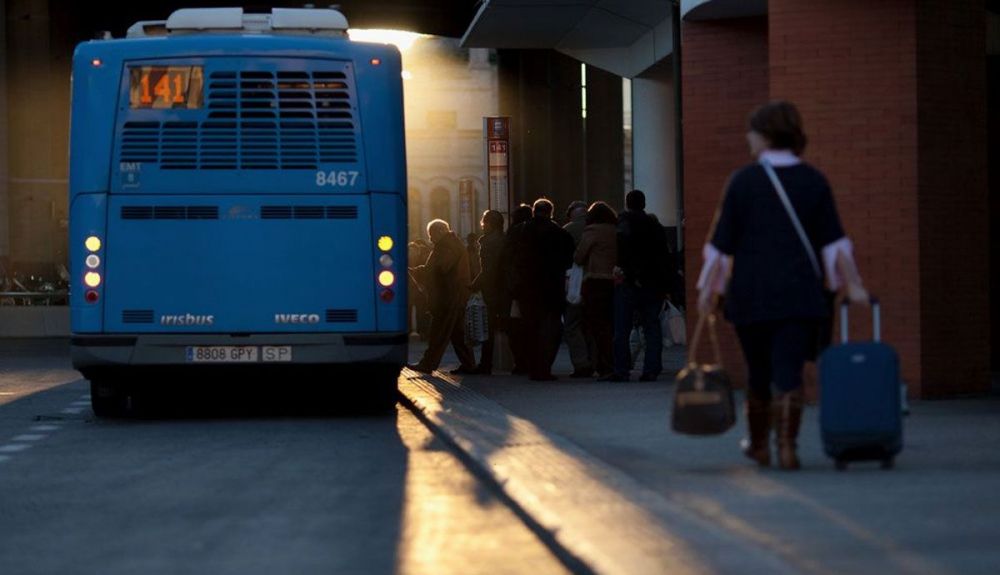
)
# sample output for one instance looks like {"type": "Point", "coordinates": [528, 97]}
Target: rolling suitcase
{"type": "Point", "coordinates": [860, 415]}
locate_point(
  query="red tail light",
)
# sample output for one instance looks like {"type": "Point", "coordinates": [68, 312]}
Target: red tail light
{"type": "Point", "coordinates": [91, 296]}
{"type": "Point", "coordinates": [388, 295]}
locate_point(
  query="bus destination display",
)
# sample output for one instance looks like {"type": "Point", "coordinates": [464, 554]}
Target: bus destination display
{"type": "Point", "coordinates": [165, 87]}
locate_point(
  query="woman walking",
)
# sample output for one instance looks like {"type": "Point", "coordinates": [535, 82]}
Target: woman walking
{"type": "Point", "coordinates": [777, 238]}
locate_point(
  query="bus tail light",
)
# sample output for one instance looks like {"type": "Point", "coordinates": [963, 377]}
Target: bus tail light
{"type": "Point", "coordinates": [92, 279]}
{"type": "Point", "coordinates": [91, 296]}
{"type": "Point", "coordinates": [386, 278]}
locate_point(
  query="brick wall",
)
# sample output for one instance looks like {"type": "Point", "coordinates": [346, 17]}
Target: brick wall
{"type": "Point", "coordinates": [725, 77]}
{"type": "Point", "coordinates": [952, 187]}
{"type": "Point", "coordinates": [850, 66]}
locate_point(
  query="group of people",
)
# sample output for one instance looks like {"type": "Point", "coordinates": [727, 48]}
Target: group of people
{"type": "Point", "coordinates": [776, 253]}
{"type": "Point", "coordinates": [627, 267]}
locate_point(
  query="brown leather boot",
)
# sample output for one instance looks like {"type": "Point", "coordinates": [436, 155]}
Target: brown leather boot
{"type": "Point", "coordinates": [757, 447]}
{"type": "Point", "coordinates": [788, 417]}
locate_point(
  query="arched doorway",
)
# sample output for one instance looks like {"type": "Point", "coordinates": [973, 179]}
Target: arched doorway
{"type": "Point", "coordinates": [441, 204]}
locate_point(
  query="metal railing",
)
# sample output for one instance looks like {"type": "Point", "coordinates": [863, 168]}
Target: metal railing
{"type": "Point", "coordinates": [24, 298]}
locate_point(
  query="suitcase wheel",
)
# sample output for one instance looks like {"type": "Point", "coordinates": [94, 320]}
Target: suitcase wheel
{"type": "Point", "coordinates": [840, 464]}
{"type": "Point", "coordinates": [888, 463]}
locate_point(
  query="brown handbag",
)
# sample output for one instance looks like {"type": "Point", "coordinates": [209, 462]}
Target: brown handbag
{"type": "Point", "coordinates": [703, 394]}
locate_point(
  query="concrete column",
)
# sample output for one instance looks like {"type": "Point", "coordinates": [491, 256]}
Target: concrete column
{"type": "Point", "coordinates": [953, 197]}
{"type": "Point", "coordinates": [653, 141]}
{"type": "Point", "coordinates": [4, 194]}
{"type": "Point", "coordinates": [540, 91]}
{"type": "Point", "coordinates": [604, 162]}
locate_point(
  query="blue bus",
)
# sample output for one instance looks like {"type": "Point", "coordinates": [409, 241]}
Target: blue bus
{"type": "Point", "coordinates": [237, 203]}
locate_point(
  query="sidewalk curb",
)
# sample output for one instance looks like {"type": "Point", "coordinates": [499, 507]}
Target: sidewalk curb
{"type": "Point", "coordinates": [593, 517]}
{"type": "Point", "coordinates": [482, 472]}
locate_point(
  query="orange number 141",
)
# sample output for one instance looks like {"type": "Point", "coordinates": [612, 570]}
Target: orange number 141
{"type": "Point", "coordinates": [162, 89]}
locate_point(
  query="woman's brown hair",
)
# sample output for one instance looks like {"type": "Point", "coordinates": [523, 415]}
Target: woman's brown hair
{"type": "Point", "coordinates": [601, 213]}
{"type": "Point", "coordinates": [781, 123]}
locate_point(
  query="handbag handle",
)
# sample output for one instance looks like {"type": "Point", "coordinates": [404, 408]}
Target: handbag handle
{"type": "Point", "coordinates": [712, 335]}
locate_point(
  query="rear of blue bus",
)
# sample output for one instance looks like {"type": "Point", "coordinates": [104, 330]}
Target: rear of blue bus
{"type": "Point", "coordinates": [236, 202]}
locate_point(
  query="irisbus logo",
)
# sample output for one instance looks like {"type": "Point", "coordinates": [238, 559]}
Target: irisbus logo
{"type": "Point", "coordinates": [187, 319]}
{"type": "Point", "coordinates": [296, 318]}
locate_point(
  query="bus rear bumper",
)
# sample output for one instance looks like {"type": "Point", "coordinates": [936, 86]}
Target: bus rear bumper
{"type": "Point", "coordinates": [94, 351]}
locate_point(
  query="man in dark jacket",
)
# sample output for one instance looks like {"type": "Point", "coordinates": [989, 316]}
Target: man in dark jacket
{"type": "Point", "coordinates": [641, 287]}
{"type": "Point", "coordinates": [512, 252]}
{"type": "Point", "coordinates": [445, 278]}
{"type": "Point", "coordinates": [541, 291]}
{"type": "Point", "coordinates": [490, 282]}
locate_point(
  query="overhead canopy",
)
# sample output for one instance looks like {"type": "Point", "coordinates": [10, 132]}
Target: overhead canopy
{"type": "Point", "coordinates": [622, 37]}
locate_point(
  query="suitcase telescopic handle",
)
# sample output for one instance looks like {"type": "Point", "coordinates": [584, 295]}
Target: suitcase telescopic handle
{"type": "Point", "coordinates": [876, 319]}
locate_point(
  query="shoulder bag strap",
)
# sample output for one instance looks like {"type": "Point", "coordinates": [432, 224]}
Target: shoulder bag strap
{"type": "Point", "coordinates": [780, 189]}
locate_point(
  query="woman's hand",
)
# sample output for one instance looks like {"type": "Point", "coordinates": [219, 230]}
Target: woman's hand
{"type": "Point", "coordinates": [856, 293]}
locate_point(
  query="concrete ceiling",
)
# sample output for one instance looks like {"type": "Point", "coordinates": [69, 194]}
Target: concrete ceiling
{"type": "Point", "coordinates": [624, 37]}
{"type": "Point", "coordinates": [564, 24]}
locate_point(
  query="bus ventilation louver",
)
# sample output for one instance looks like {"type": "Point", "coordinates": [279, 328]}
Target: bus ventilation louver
{"type": "Point", "coordinates": [341, 316]}
{"type": "Point", "coordinates": [309, 212]}
{"type": "Point", "coordinates": [255, 121]}
{"type": "Point", "coordinates": [170, 212]}
{"type": "Point", "coordinates": [137, 316]}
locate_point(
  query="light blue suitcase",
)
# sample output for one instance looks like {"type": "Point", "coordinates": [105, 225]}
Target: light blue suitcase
{"type": "Point", "coordinates": [860, 416]}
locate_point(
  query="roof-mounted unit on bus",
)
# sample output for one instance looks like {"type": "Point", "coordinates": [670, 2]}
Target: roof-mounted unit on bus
{"type": "Point", "coordinates": [306, 21]}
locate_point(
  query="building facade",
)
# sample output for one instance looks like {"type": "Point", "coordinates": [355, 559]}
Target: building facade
{"type": "Point", "coordinates": [448, 90]}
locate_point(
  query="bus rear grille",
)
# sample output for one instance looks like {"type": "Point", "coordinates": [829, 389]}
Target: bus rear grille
{"type": "Point", "coordinates": [137, 316]}
{"type": "Point", "coordinates": [257, 120]}
{"type": "Point", "coordinates": [341, 316]}
{"type": "Point", "coordinates": [170, 212]}
{"type": "Point", "coordinates": [342, 212]}
{"type": "Point", "coordinates": [309, 212]}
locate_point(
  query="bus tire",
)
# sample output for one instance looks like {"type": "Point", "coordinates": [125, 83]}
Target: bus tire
{"type": "Point", "coordinates": [108, 398]}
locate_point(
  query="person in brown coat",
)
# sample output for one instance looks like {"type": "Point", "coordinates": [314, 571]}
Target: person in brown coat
{"type": "Point", "coordinates": [597, 253]}
{"type": "Point", "coordinates": [445, 278]}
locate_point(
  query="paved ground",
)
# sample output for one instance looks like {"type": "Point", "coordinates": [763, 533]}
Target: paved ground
{"type": "Point", "coordinates": [258, 487]}
{"type": "Point", "coordinates": [938, 512]}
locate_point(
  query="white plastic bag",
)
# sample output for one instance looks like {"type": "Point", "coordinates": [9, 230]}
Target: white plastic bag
{"type": "Point", "coordinates": [676, 323]}
{"type": "Point", "coordinates": [574, 284]}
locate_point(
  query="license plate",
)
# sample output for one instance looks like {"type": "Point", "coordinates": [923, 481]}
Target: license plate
{"type": "Point", "coordinates": [223, 354]}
